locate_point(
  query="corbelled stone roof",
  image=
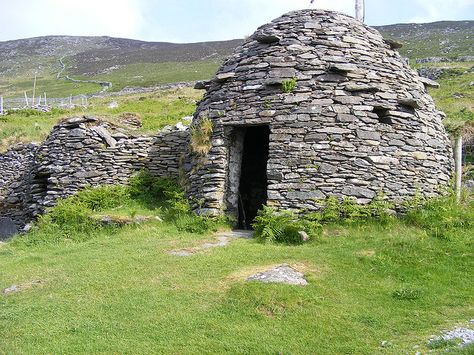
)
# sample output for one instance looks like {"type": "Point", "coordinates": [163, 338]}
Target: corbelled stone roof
{"type": "Point", "coordinates": [358, 120]}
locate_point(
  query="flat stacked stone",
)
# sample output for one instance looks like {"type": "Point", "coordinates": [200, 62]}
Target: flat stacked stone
{"type": "Point", "coordinates": [80, 152]}
{"type": "Point", "coordinates": [358, 122]}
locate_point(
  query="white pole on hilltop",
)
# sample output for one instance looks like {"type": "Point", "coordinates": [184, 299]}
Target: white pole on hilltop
{"type": "Point", "coordinates": [70, 100]}
{"type": "Point", "coordinates": [458, 166]}
{"type": "Point", "coordinates": [26, 99]}
{"type": "Point", "coordinates": [45, 103]}
{"type": "Point", "coordinates": [1, 105]}
{"type": "Point", "coordinates": [359, 10]}
{"type": "Point", "coordinates": [34, 89]}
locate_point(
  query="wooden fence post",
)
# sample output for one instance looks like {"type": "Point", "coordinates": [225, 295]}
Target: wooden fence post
{"type": "Point", "coordinates": [458, 166]}
{"type": "Point", "coordinates": [34, 89]}
{"type": "Point", "coordinates": [359, 10]}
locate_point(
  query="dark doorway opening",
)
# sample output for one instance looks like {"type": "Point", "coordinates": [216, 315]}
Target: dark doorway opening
{"type": "Point", "coordinates": [253, 176]}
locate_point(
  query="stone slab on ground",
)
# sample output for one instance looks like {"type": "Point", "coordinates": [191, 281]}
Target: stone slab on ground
{"type": "Point", "coordinates": [237, 233]}
{"type": "Point", "coordinates": [465, 334]}
{"type": "Point", "coordinates": [11, 289]}
{"type": "Point", "coordinates": [25, 286]}
{"type": "Point", "coordinates": [280, 274]}
{"type": "Point", "coordinates": [7, 228]}
{"type": "Point", "coordinates": [223, 238]}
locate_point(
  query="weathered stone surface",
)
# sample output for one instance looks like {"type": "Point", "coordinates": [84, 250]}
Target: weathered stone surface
{"type": "Point", "coordinates": [105, 135]}
{"type": "Point", "coordinates": [280, 274]}
{"type": "Point", "coordinates": [76, 155]}
{"type": "Point", "coordinates": [358, 191]}
{"type": "Point", "coordinates": [428, 82]}
{"type": "Point", "coordinates": [224, 76]}
{"type": "Point", "coordinates": [266, 38]}
{"type": "Point", "coordinates": [358, 120]}
{"type": "Point", "coordinates": [371, 135]}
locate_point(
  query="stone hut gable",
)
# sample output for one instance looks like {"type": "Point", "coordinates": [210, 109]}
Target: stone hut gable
{"type": "Point", "coordinates": [356, 120]}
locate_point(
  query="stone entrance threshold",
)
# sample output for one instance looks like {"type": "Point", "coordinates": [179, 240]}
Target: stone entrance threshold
{"type": "Point", "coordinates": [223, 238]}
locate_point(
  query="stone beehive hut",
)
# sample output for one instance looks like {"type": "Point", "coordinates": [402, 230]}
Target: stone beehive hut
{"type": "Point", "coordinates": [316, 104]}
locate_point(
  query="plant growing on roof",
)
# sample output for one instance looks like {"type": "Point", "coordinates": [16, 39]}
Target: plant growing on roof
{"type": "Point", "coordinates": [201, 136]}
{"type": "Point", "coordinates": [288, 85]}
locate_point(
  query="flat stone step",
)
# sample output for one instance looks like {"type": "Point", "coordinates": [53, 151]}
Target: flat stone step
{"type": "Point", "coordinates": [237, 233]}
{"type": "Point", "coordinates": [223, 238]}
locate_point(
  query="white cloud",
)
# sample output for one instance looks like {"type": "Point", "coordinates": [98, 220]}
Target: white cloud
{"type": "Point", "coordinates": [27, 18]}
{"type": "Point", "coordinates": [437, 10]}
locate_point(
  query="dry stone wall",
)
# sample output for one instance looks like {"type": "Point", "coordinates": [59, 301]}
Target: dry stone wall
{"type": "Point", "coordinates": [359, 120]}
{"type": "Point", "coordinates": [15, 167]}
{"type": "Point", "coordinates": [82, 152]}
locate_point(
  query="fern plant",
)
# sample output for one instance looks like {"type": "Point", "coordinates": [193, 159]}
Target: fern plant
{"type": "Point", "coordinates": [281, 226]}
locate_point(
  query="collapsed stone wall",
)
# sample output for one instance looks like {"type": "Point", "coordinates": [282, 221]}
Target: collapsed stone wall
{"type": "Point", "coordinates": [356, 121]}
{"type": "Point", "coordinates": [82, 152]}
{"type": "Point", "coordinates": [14, 161]}
{"type": "Point", "coordinates": [15, 167]}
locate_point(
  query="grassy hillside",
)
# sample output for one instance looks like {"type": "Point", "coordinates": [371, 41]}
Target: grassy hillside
{"type": "Point", "coordinates": [438, 39]}
{"type": "Point", "coordinates": [123, 61]}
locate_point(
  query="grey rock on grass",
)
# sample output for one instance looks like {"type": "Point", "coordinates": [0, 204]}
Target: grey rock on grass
{"type": "Point", "coordinates": [280, 274]}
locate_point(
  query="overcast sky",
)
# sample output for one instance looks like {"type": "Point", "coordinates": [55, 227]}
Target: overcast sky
{"type": "Point", "coordinates": [196, 20]}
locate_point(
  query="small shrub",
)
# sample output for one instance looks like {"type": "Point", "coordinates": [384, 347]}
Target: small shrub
{"type": "Point", "coordinates": [104, 197]}
{"type": "Point", "coordinates": [348, 210]}
{"type": "Point", "coordinates": [330, 210]}
{"type": "Point", "coordinates": [192, 223]}
{"type": "Point", "coordinates": [406, 294]}
{"type": "Point", "coordinates": [152, 190]}
{"type": "Point", "coordinates": [441, 217]}
{"type": "Point", "coordinates": [174, 205]}
{"type": "Point", "coordinates": [68, 220]}
{"type": "Point", "coordinates": [69, 214]}
{"type": "Point", "coordinates": [381, 209]}
{"type": "Point", "coordinates": [201, 137]}
{"type": "Point", "coordinates": [282, 226]}
{"type": "Point", "coordinates": [288, 85]}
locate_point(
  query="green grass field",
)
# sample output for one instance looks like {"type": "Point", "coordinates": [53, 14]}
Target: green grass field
{"type": "Point", "coordinates": [119, 291]}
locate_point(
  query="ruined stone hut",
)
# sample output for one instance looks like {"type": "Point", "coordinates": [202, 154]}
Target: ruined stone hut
{"type": "Point", "coordinates": [311, 105]}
